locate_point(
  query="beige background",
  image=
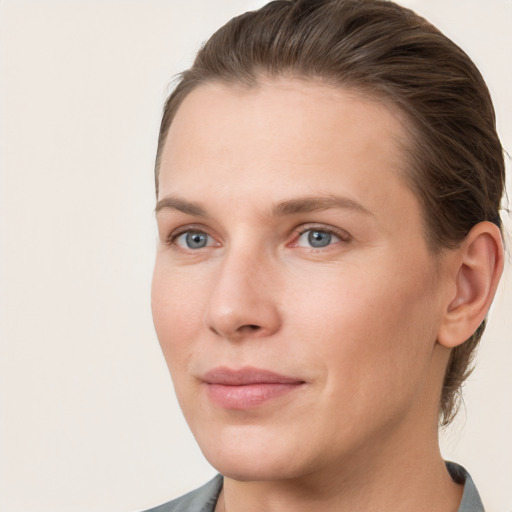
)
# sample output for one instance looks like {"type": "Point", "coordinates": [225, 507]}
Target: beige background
{"type": "Point", "coordinates": [88, 420]}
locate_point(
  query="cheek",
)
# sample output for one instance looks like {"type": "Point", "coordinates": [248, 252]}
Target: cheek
{"type": "Point", "coordinates": [370, 324]}
{"type": "Point", "coordinates": [177, 306]}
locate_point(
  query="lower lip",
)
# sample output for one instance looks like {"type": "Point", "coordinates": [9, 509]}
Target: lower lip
{"type": "Point", "coordinates": [248, 396]}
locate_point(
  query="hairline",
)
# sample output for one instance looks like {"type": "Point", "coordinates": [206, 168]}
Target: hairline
{"type": "Point", "coordinates": [408, 145]}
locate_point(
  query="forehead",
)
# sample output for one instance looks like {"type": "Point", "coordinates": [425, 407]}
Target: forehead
{"type": "Point", "coordinates": [282, 135]}
{"type": "Point", "coordinates": [282, 109]}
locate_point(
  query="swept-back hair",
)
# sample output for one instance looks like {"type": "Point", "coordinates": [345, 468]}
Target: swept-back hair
{"type": "Point", "coordinates": [389, 52]}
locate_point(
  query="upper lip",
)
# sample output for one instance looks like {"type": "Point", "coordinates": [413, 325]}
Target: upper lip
{"type": "Point", "coordinates": [245, 376]}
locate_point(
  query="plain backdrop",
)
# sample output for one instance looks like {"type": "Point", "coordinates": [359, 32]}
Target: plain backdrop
{"type": "Point", "coordinates": [88, 418]}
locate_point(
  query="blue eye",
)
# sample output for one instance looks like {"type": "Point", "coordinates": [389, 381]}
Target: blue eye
{"type": "Point", "coordinates": [317, 238]}
{"type": "Point", "coordinates": [193, 240]}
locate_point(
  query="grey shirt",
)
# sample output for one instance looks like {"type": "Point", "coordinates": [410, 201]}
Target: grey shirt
{"type": "Point", "coordinates": [205, 498]}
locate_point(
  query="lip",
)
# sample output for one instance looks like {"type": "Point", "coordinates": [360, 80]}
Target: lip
{"type": "Point", "coordinates": [247, 387]}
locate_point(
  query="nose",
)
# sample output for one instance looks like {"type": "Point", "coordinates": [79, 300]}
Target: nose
{"type": "Point", "coordinates": [244, 299]}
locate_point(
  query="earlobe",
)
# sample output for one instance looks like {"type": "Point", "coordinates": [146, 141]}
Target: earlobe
{"type": "Point", "coordinates": [478, 268]}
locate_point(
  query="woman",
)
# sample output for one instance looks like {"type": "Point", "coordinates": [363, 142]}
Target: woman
{"type": "Point", "coordinates": [329, 182]}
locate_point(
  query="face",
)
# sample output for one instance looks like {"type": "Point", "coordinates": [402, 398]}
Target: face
{"type": "Point", "coordinates": [294, 297]}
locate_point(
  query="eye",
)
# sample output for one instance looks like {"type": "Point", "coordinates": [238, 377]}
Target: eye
{"type": "Point", "coordinates": [317, 238]}
{"type": "Point", "coordinates": [193, 239]}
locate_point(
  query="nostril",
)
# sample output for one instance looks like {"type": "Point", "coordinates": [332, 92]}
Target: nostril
{"type": "Point", "coordinates": [253, 327]}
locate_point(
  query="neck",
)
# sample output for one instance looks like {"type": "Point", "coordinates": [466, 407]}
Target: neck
{"type": "Point", "coordinates": [399, 470]}
{"type": "Point", "coordinates": [401, 477]}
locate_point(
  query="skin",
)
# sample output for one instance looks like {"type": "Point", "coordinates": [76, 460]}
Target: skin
{"type": "Point", "coordinates": [357, 321]}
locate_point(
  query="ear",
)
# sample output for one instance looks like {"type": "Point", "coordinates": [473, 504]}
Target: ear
{"type": "Point", "coordinates": [477, 268]}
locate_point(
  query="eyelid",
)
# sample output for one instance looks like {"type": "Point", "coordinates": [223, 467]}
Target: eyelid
{"type": "Point", "coordinates": [343, 235]}
{"type": "Point", "coordinates": [181, 230]}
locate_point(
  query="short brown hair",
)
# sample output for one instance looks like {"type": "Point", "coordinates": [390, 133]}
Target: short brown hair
{"type": "Point", "coordinates": [385, 50]}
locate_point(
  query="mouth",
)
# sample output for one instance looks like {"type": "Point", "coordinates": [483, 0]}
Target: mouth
{"type": "Point", "coordinates": [247, 387]}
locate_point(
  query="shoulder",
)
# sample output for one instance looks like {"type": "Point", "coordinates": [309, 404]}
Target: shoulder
{"type": "Point", "coordinates": [203, 499]}
{"type": "Point", "coordinates": [471, 501]}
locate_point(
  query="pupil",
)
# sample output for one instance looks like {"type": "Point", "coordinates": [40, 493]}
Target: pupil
{"type": "Point", "coordinates": [196, 240]}
{"type": "Point", "coordinates": [319, 238]}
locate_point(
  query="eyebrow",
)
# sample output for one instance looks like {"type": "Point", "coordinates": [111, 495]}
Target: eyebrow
{"type": "Point", "coordinates": [175, 203]}
{"type": "Point", "coordinates": [284, 208]}
{"type": "Point", "coordinates": [315, 204]}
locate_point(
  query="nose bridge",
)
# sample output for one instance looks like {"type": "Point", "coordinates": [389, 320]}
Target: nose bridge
{"type": "Point", "coordinates": [242, 301]}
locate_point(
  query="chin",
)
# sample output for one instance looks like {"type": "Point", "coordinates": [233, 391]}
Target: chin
{"type": "Point", "coordinates": [245, 457]}
{"type": "Point", "coordinates": [255, 470]}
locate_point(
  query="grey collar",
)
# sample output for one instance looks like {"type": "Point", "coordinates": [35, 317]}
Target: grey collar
{"type": "Point", "coordinates": [205, 498]}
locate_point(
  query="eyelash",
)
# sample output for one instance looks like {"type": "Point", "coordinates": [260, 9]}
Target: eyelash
{"type": "Point", "coordinates": [343, 236]}
{"type": "Point", "coordinates": [173, 237]}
